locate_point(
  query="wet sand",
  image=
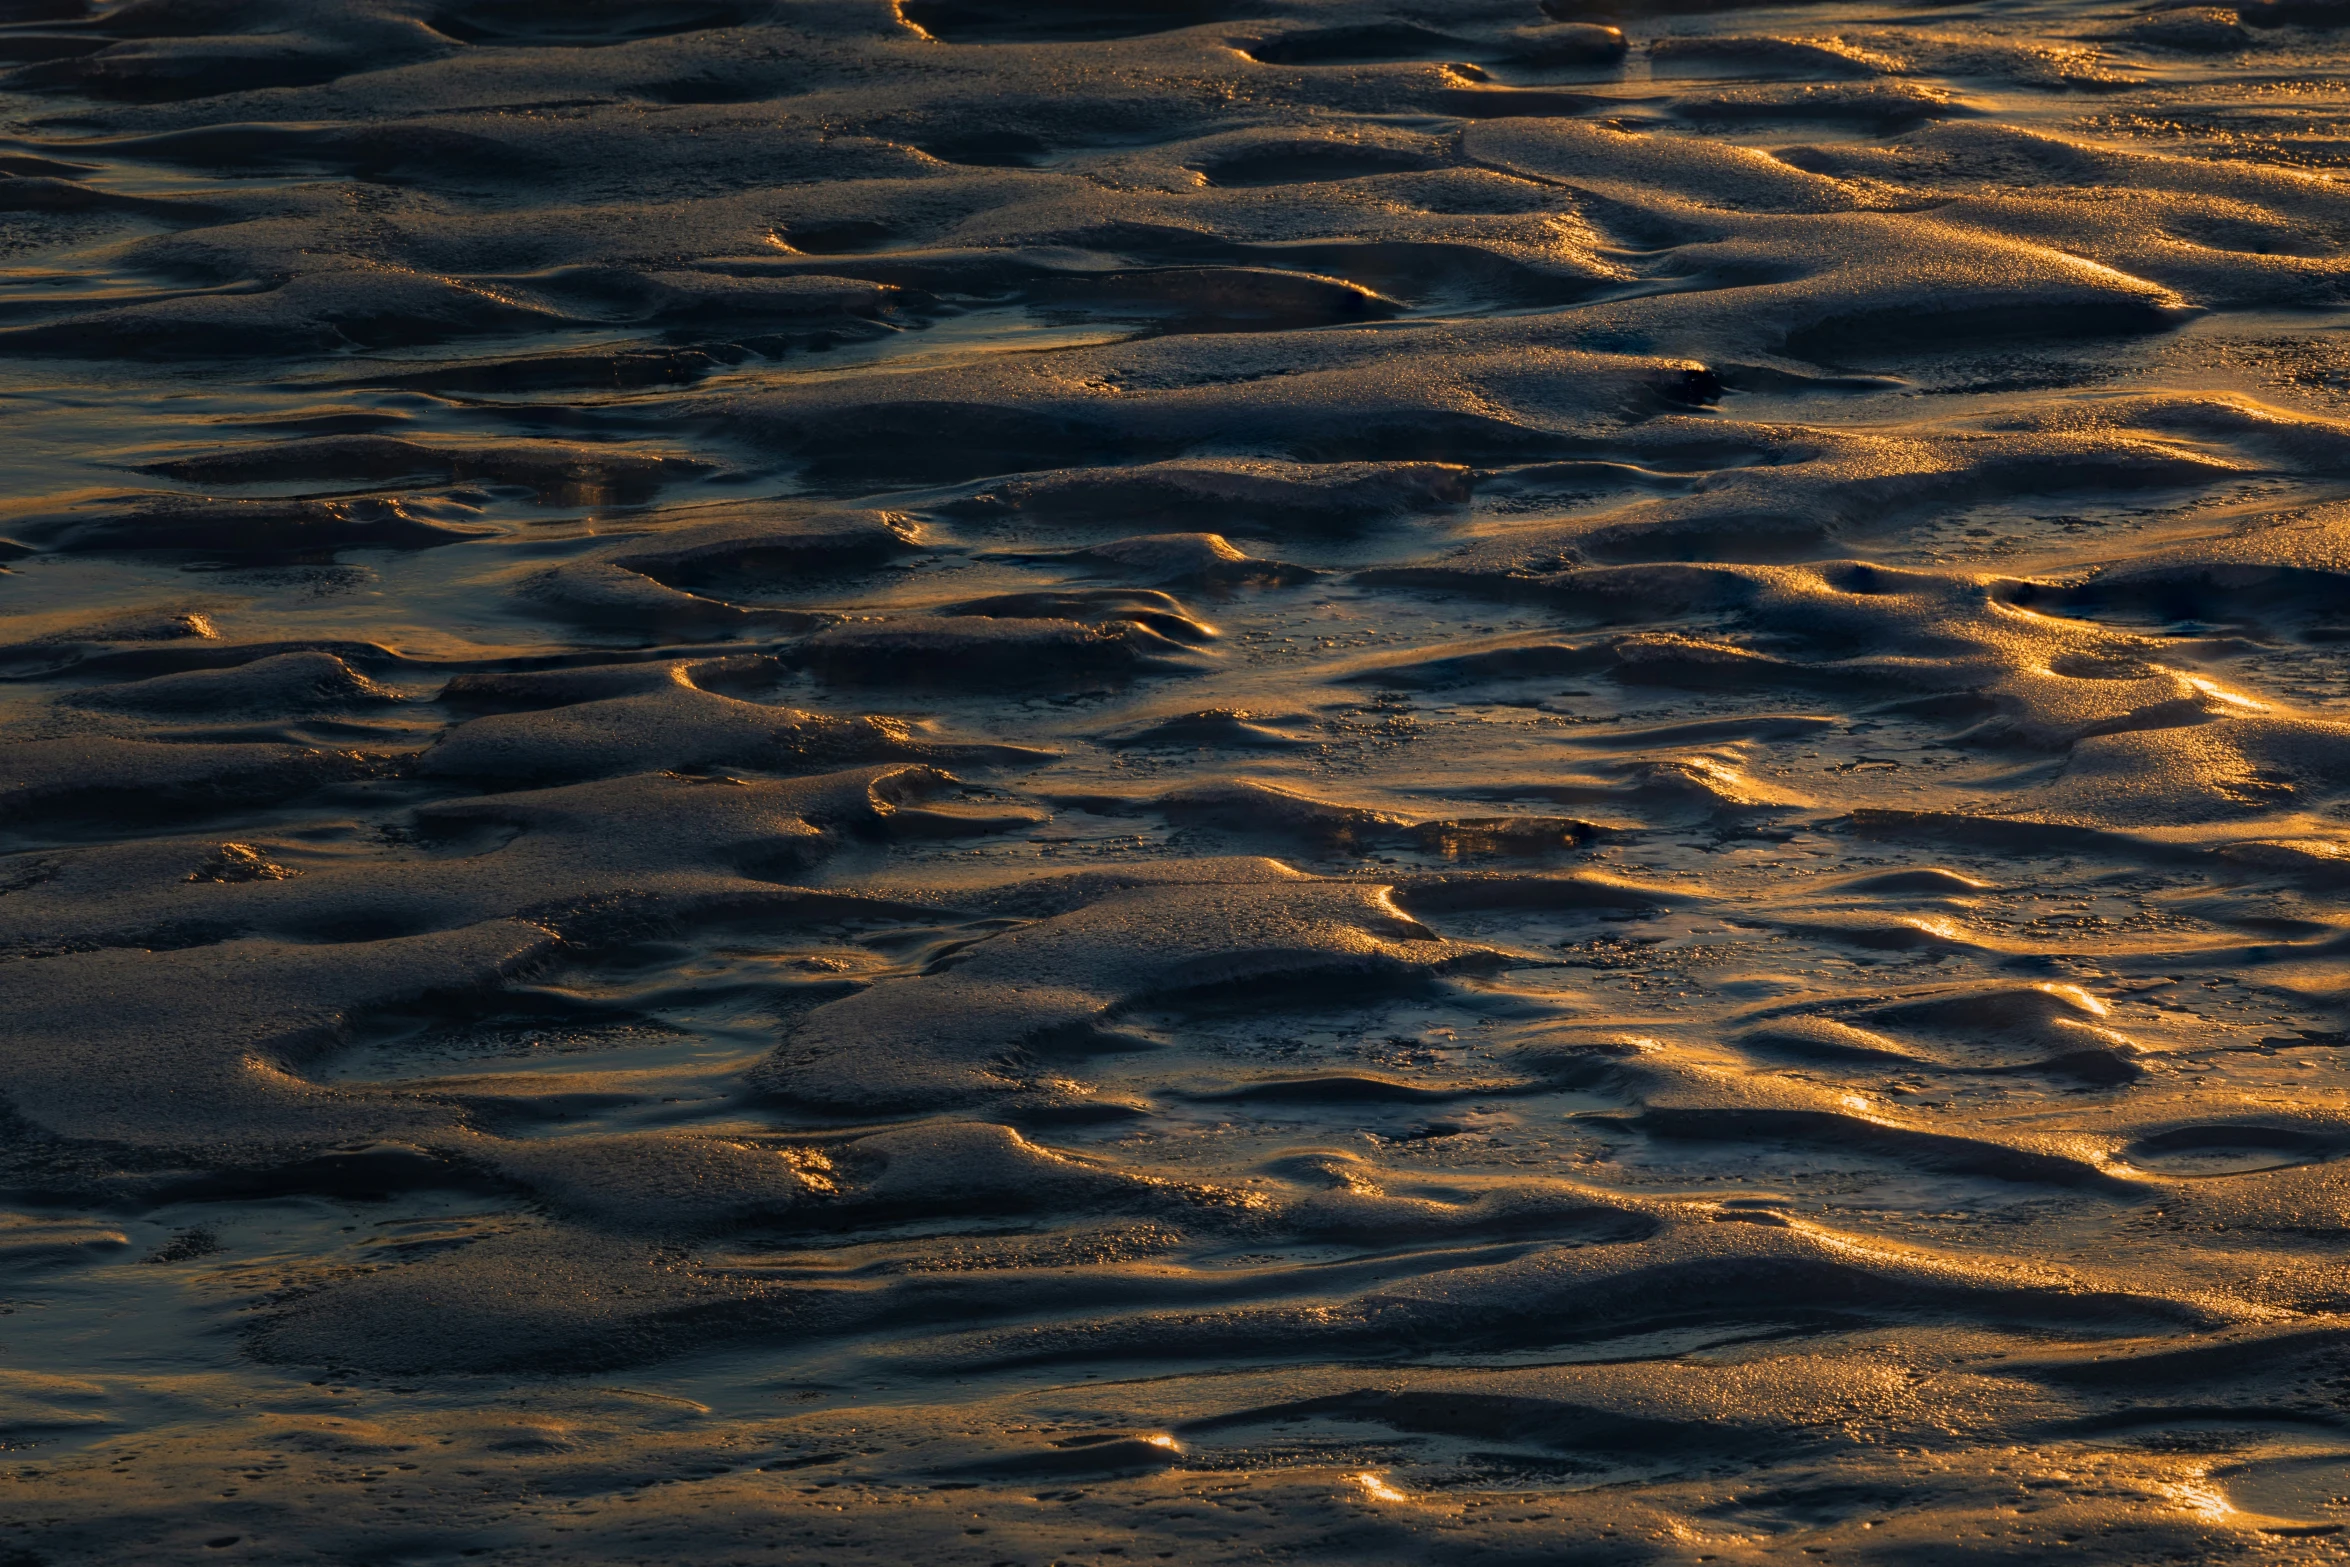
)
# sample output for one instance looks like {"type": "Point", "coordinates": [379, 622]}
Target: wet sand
{"type": "Point", "coordinates": [1021, 781]}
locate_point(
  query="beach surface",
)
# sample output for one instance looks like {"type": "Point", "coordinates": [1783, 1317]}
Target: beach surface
{"type": "Point", "coordinates": [1311, 781]}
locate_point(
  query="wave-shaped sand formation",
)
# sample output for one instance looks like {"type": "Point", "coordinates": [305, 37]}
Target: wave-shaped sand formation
{"type": "Point", "coordinates": [1019, 781]}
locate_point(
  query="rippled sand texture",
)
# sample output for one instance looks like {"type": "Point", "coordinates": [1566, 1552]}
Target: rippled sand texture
{"type": "Point", "coordinates": [1198, 780]}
